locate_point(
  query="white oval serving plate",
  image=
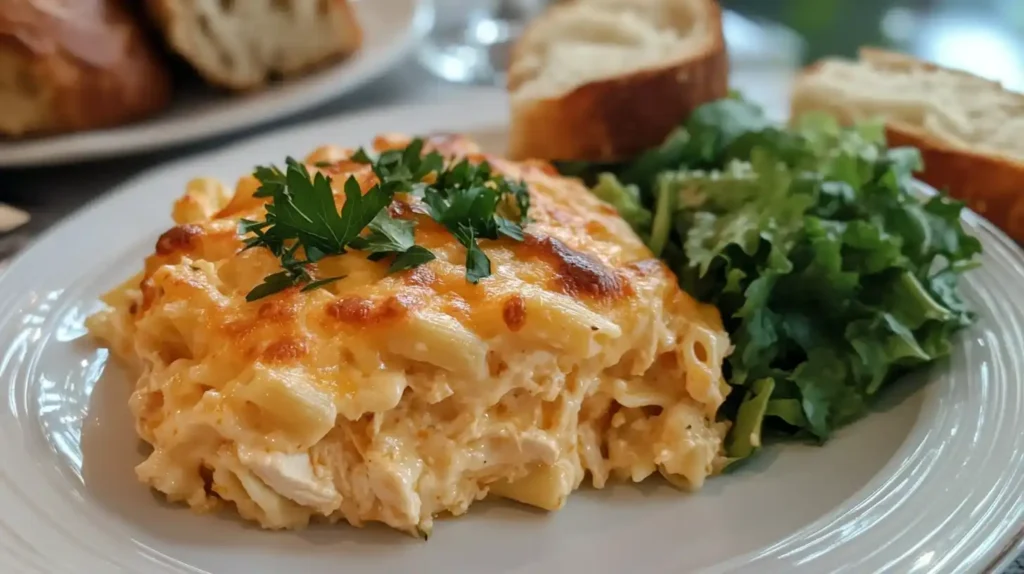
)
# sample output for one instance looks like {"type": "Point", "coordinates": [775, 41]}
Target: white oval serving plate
{"type": "Point", "coordinates": [391, 28]}
{"type": "Point", "coordinates": [932, 482]}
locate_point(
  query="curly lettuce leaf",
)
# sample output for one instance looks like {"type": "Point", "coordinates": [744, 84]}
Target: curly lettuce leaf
{"type": "Point", "coordinates": [626, 200]}
{"type": "Point", "coordinates": [832, 276]}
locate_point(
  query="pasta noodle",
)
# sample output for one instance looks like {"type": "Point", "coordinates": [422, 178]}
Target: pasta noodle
{"type": "Point", "coordinates": [396, 397]}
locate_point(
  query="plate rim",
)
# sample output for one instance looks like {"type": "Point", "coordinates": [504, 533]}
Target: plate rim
{"type": "Point", "coordinates": [131, 139]}
{"type": "Point", "coordinates": [998, 555]}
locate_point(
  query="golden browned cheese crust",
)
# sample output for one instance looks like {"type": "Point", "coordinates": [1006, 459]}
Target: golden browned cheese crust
{"type": "Point", "coordinates": [394, 398]}
{"type": "Point", "coordinates": [75, 65]}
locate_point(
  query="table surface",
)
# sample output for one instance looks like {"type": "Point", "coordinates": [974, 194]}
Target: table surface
{"type": "Point", "coordinates": [49, 194]}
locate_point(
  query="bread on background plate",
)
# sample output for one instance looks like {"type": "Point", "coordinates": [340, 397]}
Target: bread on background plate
{"type": "Point", "coordinates": [243, 44]}
{"type": "Point", "coordinates": [969, 129]}
{"type": "Point", "coordinates": [603, 80]}
{"type": "Point", "coordinates": [70, 65]}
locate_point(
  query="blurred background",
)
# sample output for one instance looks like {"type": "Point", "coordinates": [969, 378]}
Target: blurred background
{"type": "Point", "coordinates": [983, 36]}
{"type": "Point", "coordinates": [769, 41]}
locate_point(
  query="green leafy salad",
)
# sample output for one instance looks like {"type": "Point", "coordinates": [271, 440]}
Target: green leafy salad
{"type": "Point", "coordinates": [832, 275]}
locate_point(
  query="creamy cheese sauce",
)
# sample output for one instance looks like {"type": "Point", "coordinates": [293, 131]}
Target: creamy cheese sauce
{"type": "Point", "coordinates": [397, 398]}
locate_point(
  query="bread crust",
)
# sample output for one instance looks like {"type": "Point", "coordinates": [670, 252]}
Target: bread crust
{"type": "Point", "coordinates": [75, 65]}
{"type": "Point", "coordinates": [170, 16]}
{"type": "Point", "coordinates": [618, 118]}
{"type": "Point", "coordinates": [989, 183]}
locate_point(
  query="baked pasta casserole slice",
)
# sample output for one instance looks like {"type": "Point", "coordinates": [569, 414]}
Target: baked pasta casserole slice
{"type": "Point", "coordinates": [397, 396]}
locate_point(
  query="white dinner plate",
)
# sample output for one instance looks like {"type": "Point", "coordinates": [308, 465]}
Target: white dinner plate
{"type": "Point", "coordinates": [391, 28]}
{"type": "Point", "coordinates": [932, 482]}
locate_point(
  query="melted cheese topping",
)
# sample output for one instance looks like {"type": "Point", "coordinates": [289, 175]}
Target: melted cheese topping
{"type": "Point", "coordinates": [395, 398]}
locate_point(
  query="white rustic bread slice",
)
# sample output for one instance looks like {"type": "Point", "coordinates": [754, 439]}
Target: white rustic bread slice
{"type": "Point", "coordinates": [967, 128]}
{"type": "Point", "coordinates": [241, 44]}
{"type": "Point", "coordinates": [604, 80]}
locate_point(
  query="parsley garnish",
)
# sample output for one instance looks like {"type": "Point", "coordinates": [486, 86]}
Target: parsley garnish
{"type": "Point", "coordinates": [472, 204]}
{"type": "Point", "coordinates": [467, 199]}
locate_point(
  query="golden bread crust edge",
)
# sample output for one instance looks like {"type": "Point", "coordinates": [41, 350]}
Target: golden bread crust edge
{"type": "Point", "coordinates": [990, 184]}
{"type": "Point", "coordinates": [619, 118]}
{"type": "Point", "coordinates": [89, 67]}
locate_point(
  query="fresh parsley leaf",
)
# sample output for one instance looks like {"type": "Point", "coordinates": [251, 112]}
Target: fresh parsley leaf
{"type": "Point", "coordinates": [399, 170]}
{"type": "Point", "coordinates": [321, 283]}
{"type": "Point", "coordinates": [271, 284]}
{"type": "Point", "coordinates": [478, 266]}
{"type": "Point", "coordinates": [313, 213]}
{"type": "Point", "coordinates": [359, 209]}
{"type": "Point", "coordinates": [508, 228]}
{"type": "Point", "coordinates": [246, 226]}
{"type": "Point", "coordinates": [271, 179]}
{"type": "Point", "coordinates": [302, 214]}
{"type": "Point", "coordinates": [360, 156]}
{"type": "Point", "coordinates": [515, 200]}
{"type": "Point", "coordinates": [389, 236]}
{"type": "Point", "coordinates": [473, 203]}
{"type": "Point", "coordinates": [302, 218]}
{"type": "Point", "coordinates": [410, 258]}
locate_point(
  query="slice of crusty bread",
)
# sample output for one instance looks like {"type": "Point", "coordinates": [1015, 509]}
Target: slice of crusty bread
{"type": "Point", "coordinates": [241, 44]}
{"type": "Point", "coordinates": [68, 66]}
{"type": "Point", "coordinates": [967, 128]}
{"type": "Point", "coordinates": [604, 80]}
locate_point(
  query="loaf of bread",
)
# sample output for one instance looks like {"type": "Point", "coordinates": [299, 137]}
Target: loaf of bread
{"type": "Point", "coordinates": [968, 129]}
{"type": "Point", "coordinates": [242, 44]}
{"type": "Point", "coordinates": [603, 80]}
{"type": "Point", "coordinates": [74, 65]}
